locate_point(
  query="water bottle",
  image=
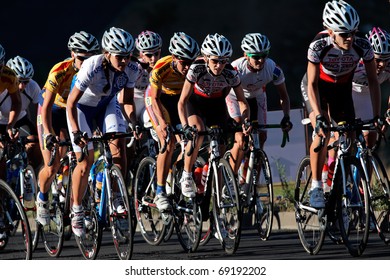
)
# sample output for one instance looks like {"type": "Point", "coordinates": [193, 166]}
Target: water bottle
{"type": "Point", "coordinates": [198, 172]}
{"type": "Point", "coordinates": [99, 183]}
{"type": "Point", "coordinates": [65, 176]}
{"type": "Point", "coordinates": [204, 177]}
{"type": "Point", "coordinates": [168, 183]}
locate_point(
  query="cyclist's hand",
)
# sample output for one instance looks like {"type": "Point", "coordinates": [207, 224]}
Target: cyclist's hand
{"type": "Point", "coordinates": [136, 129]}
{"type": "Point", "coordinates": [13, 133]}
{"type": "Point", "coordinates": [80, 138]}
{"type": "Point", "coordinates": [286, 124]}
{"type": "Point", "coordinates": [246, 127]}
{"type": "Point", "coordinates": [49, 141]}
{"type": "Point", "coordinates": [188, 132]}
{"type": "Point", "coordinates": [162, 129]}
{"type": "Point", "coordinates": [322, 126]}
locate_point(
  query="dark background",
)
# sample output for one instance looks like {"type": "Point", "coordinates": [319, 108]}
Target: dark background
{"type": "Point", "coordinates": [39, 30]}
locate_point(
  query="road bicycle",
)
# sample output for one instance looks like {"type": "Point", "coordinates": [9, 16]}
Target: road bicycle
{"type": "Point", "coordinates": [379, 184]}
{"type": "Point", "coordinates": [21, 178]}
{"type": "Point", "coordinates": [15, 234]}
{"type": "Point", "coordinates": [346, 211]}
{"type": "Point", "coordinates": [100, 212]}
{"type": "Point", "coordinates": [221, 197]}
{"type": "Point", "coordinates": [257, 196]}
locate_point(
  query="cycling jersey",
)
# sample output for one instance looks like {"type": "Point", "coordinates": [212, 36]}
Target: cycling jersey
{"type": "Point", "coordinates": [139, 90]}
{"type": "Point", "coordinates": [59, 81]}
{"type": "Point", "coordinates": [91, 79]}
{"type": "Point", "coordinates": [337, 65]}
{"type": "Point", "coordinates": [8, 80]}
{"type": "Point", "coordinates": [30, 94]}
{"type": "Point", "coordinates": [165, 78]}
{"type": "Point", "coordinates": [208, 85]}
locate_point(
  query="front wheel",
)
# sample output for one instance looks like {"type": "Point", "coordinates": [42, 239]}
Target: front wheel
{"type": "Point", "coordinates": [226, 206]}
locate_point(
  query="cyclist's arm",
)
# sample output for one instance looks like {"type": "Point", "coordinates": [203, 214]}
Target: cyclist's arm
{"type": "Point", "coordinates": [71, 108]}
{"type": "Point", "coordinates": [313, 73]}
{"type": "Point", "coordinates": [156, 106]}
{"type": "Point", "coordinates": [242, 102]}
{"type": "Point", "coordinates": [374, 87]}
{"type": "Point", "coordinates": [182, 104]}
{"type": "Point", "coordinates": [16, 105]}
{"type": "Point", "coordinates": [126, 101]}
{"type": "Point", "coordinates": [284, 98]}
{"type": "Point", "coordinates": [47, 106]}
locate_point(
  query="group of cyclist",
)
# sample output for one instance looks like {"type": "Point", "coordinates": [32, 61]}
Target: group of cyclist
{"type": "Point", "coordinates": [189, 89]}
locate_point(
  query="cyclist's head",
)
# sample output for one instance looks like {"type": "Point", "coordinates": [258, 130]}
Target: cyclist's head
{"type": "Point", "coordinates": [118, 41]}
{"type": "Point", "coordinates": [183, 46]}
{"type": "Point", "coordinates": [217, 45]}
{"type": "Point", "coordinates": [255, 43]}
{"type": "Point", "coordinates": [22, 67]}
{"type": "Point", "coordinates": [339, 16]}
{"type": "Point", "coordinates": [148, 41]}
{"type": "Point", "coordinates": [2, 55]}
{"type": "Point", "coordinates": [83, 42]}
{"type": "Point", "coordinates": [380, 42]}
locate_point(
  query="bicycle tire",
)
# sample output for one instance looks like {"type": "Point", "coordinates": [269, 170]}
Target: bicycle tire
{"type": "Point", "coordinates": [149, 219]}
{"type": "Point", "coordinates": [29, 205]}
{"type": "Point", "coordinates": [263, 198]}
{"type": "Point", "coordinates": [227, 213]}
{"type": "Point", "coordinates": [379, 197]}
{"type": "Point", "coordinates": [121, 223]}
{"type": "Point", "coordinates": [188, 224]}
{"type": "Point", "coordinates": [20, 244]}
{"type": "Point", "coordinates": [311, 230]}
{"type": "Point", "coordinates": [53, 233]}
{"type": "Point", "coordinates": [353, 209]}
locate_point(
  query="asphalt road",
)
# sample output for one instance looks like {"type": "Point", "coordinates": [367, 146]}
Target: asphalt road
{"type": "Point", "coordinates": [282, 245]}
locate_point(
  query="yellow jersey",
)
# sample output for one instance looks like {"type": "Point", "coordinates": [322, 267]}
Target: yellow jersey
{"type": "Point", "coordinates": [8, 80]}
{"type": "Point", "coordinates": [165, 78]}
{"type": "Point", "coordinates": [60, 81]}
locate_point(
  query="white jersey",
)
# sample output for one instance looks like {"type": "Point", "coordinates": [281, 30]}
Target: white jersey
{"type": "Point", "coordinates": [91, 79]}
{"type": "Point", "coordinates": [254, 83]}
{"type": "Point", "coordinates": [361, 92]}
{"type": "Point", "coordinates": [31, 94]}
{"type": "Point", "coordinates": [142, 81]}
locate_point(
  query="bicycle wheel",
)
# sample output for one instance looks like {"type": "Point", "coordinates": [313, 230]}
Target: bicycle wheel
{"type": "Point", "coordinates": [30, 181]}
{"type": "Point", "coordinates": [380, 197]}
{"type": "Point", "coordinates": [226, 206]}
{"type": "Point", "coordinates": [353, 209]}
{"type": "Point", "coordinates": [121, 223]}
{"type": "Point", "coordinates": [149, 218]}
{"type": "Point", "coordinates": [311, 229]}
{"type": "Point", "coordinates": [263, 196]}
{"type": "Point", "coordinates": [187, 214]}
{"type": "Point", "coordinates": [19, 245]}
{"type": "Point", "coordinates": [89, 244]}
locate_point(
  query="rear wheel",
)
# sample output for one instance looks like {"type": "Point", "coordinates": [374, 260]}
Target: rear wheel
{"type": "Point", "coordinates": [148, 216]}
{"type": "Point", "coordinates": [311, 229]}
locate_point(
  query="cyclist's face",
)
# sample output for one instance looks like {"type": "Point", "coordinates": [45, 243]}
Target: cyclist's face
{"type": "Point", "coordinates": [216, 64]}
{"type": "Point", "coordinates": [343, 40]}
{"type": "Point", "coordinates": [182, 65]}
{"type": "Point", "coordinates": [79, 58]}
{"type": "Point", "coordinates": [151, 57]}
{"type": "Point", "coordinates": [381, 63]}
{"type": "Point", "coordinates": [119, 62]}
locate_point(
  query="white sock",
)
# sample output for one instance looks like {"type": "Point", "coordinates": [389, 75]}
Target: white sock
{"type": "Point", "coordinates": [187, 174]}
{"type": "Point", "coordinates": [316, 184]}
{"type": "Point", "coordinates": [77, 208]}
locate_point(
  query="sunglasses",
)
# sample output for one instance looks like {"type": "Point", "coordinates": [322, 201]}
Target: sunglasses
{"type": "Point", "coordinates": [121, 57]}
{"type": "Point", "coordinates": [157, 53]}
{"type": "Point", "coordinates": [379, 60]}
{"type": "Point", "coordinates": [220, 61]}
{"type": "Point", "coordinates": [258, 56]}
{"type": "Point", "coordinates": [346, 35]}
{"type": "Point", "coordinates": [185, 62]}
{"type": "Point", "coordinates": [24, 82]}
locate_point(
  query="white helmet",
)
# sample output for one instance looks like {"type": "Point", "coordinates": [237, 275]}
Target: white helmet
{"type": "Point", "coordinates": [2, 54]}
{"type": "Point", "coordinates": [183, 46]}
{"type": "Point", "coordinates": [380, 41]}
{"type": "Point", "coordinates": [118, 41]}
{"type": "Point", "coordinates": [340, 16]}
{"type": "Point", "coordinates": [83, 42]}
{"type": "Point", "coordinates": [217, 45]}
{"type": "Point", "coordinates": [255, 43]}
{"type": "Point", "coordinates": [148, 41]}
{"type": "Point", "coordinates": [22, 67]}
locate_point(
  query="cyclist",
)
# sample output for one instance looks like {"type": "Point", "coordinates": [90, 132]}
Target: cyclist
{"type": "Point", "coordinates": [8, 86]}
{"type": "Point", "coordinates": [29, 91]}
{"type": "Point", "coordinates": [256, 70]}
{"type": "Point", "coordinates": [161, 99]}
{"type": "Point", "coordinates": [327, 85]}
{"type": "Point", "coordinates": [202, 101]}
{"type": "Point", "coordinates": [51, 116]}
{"type": "Point", "coordinates": [94, 99]}
{"type": "Point", "coordinates": [380, 42]}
